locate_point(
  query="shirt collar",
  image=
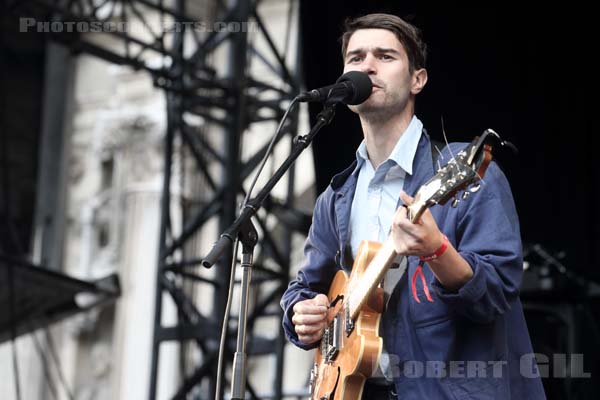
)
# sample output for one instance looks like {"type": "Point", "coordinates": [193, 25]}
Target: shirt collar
{"type": "Point", "coordinates": [403, 153]}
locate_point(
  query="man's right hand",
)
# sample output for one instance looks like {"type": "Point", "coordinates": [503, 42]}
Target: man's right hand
{"type": "Point", "coordinates": [310, 318]}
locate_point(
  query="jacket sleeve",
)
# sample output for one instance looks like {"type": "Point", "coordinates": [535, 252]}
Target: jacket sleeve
{"type": "Point", "coordinates": [319, 265]}
{"type": "Point", "coordinates": [488, 238]}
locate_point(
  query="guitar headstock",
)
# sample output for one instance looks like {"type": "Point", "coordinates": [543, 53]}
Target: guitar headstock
{"type": "Point", "coordinates": [463, 172]}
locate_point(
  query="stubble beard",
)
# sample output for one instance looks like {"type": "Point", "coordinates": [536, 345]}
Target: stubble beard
{"type": "Point", "coordinates": [379, 111]}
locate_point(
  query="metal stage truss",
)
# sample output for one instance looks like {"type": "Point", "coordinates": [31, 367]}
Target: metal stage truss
{"type": "Point", "coordinates": [210, 110]}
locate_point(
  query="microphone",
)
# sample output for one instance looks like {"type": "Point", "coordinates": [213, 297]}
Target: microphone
{"type": "Point", "coordinates": [351, 88]}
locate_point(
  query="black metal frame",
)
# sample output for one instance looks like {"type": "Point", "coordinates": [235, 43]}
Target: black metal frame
{"type": "Point", "coordinates": [42, 296]}
{"type": "Point", "coordinates": [232, 102]}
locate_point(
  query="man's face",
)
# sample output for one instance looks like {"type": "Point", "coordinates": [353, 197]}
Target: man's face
{"type": "Point", "coordinates": [378, 53]}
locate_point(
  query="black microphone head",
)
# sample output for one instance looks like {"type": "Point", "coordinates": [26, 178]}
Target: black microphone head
{"type": "Point", "coordinates": [361, 85]}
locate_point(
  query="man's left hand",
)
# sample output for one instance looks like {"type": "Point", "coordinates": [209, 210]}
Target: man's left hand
{"type": "Point", "coordinates": [420, 238]}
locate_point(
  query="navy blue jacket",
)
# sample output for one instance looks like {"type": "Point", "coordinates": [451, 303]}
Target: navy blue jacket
{"type": "Point", "coordinates": [469, 344]}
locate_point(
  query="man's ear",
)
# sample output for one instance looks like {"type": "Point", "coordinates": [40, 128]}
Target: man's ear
{"type": "Point", "coordinates": [419, 79]}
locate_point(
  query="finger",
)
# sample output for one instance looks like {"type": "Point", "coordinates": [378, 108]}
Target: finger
{"type": "Point", "coordinates": [402, 224]}
{"type": "Point", "coordinates": [406, 199]}
{"type": "Point", "coordinates": [309, 308]}
{"type": "Point", "coordinates": [309, 329]}
{"type": "Point", "coordinates": [309, 339]}
{"type": "Point", "coordinates": [427, 218]}
{"type": "Point", "coordinates": [400, 214]}
{"type": "Point", "coordinates": [411, 229]}
{"type": "Point", "coordinates": [303, 319]}
{"type": "Point", "coordinates": [321, 300]}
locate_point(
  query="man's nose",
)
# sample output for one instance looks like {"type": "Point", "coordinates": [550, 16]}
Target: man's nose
{"type": "Point", "coordinates": [368, 65]}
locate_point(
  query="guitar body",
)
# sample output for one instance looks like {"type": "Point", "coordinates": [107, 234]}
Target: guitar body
{"type": "Point", "coordinates": [358, 352]}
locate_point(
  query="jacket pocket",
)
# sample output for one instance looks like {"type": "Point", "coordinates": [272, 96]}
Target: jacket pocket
{"type": "Point", "coordinates": [436, 337]}
{"type": "Point", "coordinates": [465, 357]}
{"type": "Point", "coordinates": [479, 381]}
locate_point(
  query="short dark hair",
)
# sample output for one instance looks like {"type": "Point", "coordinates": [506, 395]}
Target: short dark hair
{"type": "Point", "coordinates": [408, 35]}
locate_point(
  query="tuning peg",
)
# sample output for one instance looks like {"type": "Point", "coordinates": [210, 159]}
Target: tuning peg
{"type": "Point", "coordinates": [465, 194]}
{"type": "Point", "coordinates": [475, 188]}
{"type": "Point", "coordinates": [455, 202]}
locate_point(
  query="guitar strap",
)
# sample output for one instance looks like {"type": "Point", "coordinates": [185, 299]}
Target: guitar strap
{"type": "Point", "coordinates": [392, 277]}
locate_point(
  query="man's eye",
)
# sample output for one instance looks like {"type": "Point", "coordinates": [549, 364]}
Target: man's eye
{"type": "Point", "coordinates": [386, 57]}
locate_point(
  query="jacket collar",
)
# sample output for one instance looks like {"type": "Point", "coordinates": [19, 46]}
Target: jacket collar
{"type": "Point", "coordinates": [403, 152]}
{"type": "Point", "coordinates": [422, 168]}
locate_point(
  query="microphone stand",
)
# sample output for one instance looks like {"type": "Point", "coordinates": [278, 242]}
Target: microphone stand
{"type": "Point", "coordinates": [243, 228]}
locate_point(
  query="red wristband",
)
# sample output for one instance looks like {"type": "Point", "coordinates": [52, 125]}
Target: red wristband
{"type": "Point", "coordinates": [443, 247]}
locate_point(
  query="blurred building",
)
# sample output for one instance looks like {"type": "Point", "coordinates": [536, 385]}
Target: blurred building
{"type": "Point", "coordinates": [109, 122]}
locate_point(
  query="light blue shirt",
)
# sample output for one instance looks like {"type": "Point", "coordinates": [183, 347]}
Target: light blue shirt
{"type": "Point", "coordinates": [378, 190]}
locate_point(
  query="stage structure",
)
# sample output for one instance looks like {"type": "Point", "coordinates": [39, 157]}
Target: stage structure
{"type": "Point", "coordinates": [215, 112]}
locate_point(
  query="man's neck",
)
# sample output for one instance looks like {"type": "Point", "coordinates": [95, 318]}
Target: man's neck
{"type": "Point", "coordinates": [381, 135]}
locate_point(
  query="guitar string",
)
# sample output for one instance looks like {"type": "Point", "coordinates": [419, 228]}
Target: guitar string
{"type": "Point", "coordinates": [452, 154]}
{"type": "Point", "coordinates": [446, 139]}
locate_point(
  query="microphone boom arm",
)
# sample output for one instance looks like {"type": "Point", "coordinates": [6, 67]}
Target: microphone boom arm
{"type": "Point", "coordinates": [300, 143]}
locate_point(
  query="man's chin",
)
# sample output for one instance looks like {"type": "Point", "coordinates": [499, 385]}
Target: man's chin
{"type": "Point", "coordinates": [367, 107]}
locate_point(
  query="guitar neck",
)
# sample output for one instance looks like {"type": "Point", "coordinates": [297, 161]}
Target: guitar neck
{"type": "Point", "coordinates": [371, 277]}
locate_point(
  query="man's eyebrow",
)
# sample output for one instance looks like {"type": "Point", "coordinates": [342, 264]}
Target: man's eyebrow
{"type": "Point", "coordinates": [355, 51]}
{"type": "Point", "coordinates": [386, 50]}
{"type": "Point", "coordinates": [376, 50]}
